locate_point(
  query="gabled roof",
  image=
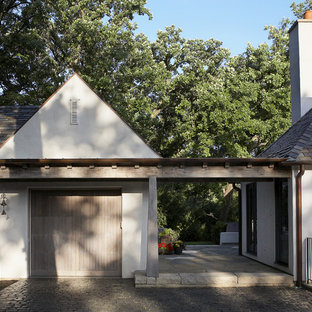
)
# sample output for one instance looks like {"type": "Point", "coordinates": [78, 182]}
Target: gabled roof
{"type": "Point", "coordinates": [295, 143]}
{"type": "Point", "coordinates": [13, 118]}
{"type": "Point", "coordinates": [47, 131]}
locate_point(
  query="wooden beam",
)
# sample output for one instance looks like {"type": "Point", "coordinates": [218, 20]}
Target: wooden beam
{"type": "Point", "coordinates": [165, 172]}
{"type": "Point", "coordinates": [145, 161]}
{"type": "Point", "coordinates": [152, 269]}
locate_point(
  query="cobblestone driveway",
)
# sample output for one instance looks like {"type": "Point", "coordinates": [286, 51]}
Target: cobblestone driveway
{"type": "Point", "coordinates": [120, 295]}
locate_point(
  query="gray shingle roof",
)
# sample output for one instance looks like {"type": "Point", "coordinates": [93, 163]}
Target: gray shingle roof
{"type": "Point", "coordinates": [12, 118]}
{"type": "Point", "coordinates": [295, 143]}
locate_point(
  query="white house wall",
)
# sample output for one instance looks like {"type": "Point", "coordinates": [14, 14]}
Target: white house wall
{"type": "Point", "coordinates": [100, 132]}
{"type": "Point", "coordinates": [306, 216]}
{"type": "Point", "coordinates": [266, 249]}
{"type": "Point", "coordinates": [14, 234]}
{"type": "Point", "coordinates": [300, 48]}
{"type": "Point", "coordinates": [14, 231]}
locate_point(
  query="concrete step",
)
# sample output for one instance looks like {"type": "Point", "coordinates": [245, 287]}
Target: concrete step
{"type": "Point", "coordinates": [213, 279]}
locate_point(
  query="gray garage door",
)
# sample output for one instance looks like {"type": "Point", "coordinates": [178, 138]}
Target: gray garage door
{"type": "Point", "coordinates": [75, 233]}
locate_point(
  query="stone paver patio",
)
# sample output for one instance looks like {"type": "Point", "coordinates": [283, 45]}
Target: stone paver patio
{"type": "Point", "coordinates": [110, 295]}
{"type": "Point", "coordinates": [211, 258]}
{"type": "Point", "coordinates": [212, 266]}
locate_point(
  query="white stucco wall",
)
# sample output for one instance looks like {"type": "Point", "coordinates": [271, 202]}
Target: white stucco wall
{"type": "Point", "coordinates": [306, 216]}
{"type": "Point", "coordinates": [100, 133]}
{"type": "Point", "coordinates": [266, 249]}
{"type": "Point", "coordinates": [14, 235]}
{"type": "Point", "coordinates": [300, 49]}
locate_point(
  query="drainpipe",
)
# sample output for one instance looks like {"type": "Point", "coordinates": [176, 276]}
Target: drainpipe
{"type": "Point", "coordinates": [239, 217]}
{"type": "Point", "coordinates": [299, 224]}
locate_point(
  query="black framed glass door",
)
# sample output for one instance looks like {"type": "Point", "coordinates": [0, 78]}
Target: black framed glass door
{"type": "Point", "coordinates": [281, 220]}
{"type": "Point", "coordinates": [251, 196]}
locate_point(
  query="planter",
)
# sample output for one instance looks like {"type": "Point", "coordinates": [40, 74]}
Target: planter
{"type": "Point", "coordinates": [161, 251]}
{"type": "Point", "coordinates": [178, 250]}
{"type": "Point", "coordinates": [166, 239]}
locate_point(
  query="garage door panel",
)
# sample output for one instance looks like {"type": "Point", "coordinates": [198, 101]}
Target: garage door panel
{"type": "Point", "coordinates": [76, 233]}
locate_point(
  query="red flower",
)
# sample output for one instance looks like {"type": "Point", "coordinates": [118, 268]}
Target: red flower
{"type": "Point", "coordinates": [161, 245]}
{"type": "Point", "coordinates": [169, 247]}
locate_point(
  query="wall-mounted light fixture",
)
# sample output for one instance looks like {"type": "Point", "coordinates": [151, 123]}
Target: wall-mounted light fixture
{"type": "Point", "coordinates": [3, 203]}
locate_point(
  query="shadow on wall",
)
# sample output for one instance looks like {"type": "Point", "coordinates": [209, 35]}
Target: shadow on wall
{"type": "Point", "coordinates": [59, 240]}
{"type": "Point", "coordinates": [22, 145]}
{"type": "Point", "coordinates": [76, 233]}
{"type": "Point", "coordinates": [13, 229]}
{"type": "Point", "coordinates": [52, 136]}
{"type": "Point", "coordinates": [98, 134]}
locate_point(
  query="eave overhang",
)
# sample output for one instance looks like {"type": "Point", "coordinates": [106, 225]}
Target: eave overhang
{"type": "Point", "coordinates": [102, 162]}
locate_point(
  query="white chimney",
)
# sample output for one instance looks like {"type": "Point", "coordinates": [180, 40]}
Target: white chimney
{"type": "Point", "coordinates": [300, 50]}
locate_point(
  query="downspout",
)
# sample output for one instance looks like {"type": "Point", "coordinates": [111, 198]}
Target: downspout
{"type": "Point", "coordinates": [299, 223]}
{"type": "Point", "coordinates": [239, 217]}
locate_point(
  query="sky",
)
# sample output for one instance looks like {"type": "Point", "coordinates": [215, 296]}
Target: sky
{"type": "Point", "coordinates": [234, 22]}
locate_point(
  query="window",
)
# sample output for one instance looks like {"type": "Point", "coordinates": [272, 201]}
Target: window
{"type": "Point", "coordinates": [251, 196]}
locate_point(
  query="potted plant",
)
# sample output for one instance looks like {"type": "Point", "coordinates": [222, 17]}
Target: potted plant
{"type": "Point", "coordinates": [162, 248]}
{"type": "Point", "coordinates": [178, 247]}
{"type": "Point", "coordinates": [167, 236]}
{"type": "Point", "coordinates": [170, 249]}
{"type": "Point", "coordinates": [165, 249]}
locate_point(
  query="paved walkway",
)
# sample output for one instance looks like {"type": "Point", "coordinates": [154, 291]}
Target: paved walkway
{"type": "Point", "coordinates": [109, 295]}
{"type": "Point", "coordinates": [214, 258]}
{"type": "Point", "coordinates": [212, 266]}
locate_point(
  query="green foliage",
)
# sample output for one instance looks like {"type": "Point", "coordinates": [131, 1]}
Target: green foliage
{"type": "Point", "coordinates": [178, 243]}
{"type": "Point", "coordinates": [300, 8]}
{"type": "Point", "coordinates": [193, 209]}
{"type": "Point", "coordinates": [43, 42]}
{"type": "Point", "coordinates": [170, 233]}
{"type": "Point", "coordinates": [187, 98]}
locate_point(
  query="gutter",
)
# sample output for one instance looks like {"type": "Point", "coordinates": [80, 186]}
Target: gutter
{"type": "Point", "coordinates": [299, 223]}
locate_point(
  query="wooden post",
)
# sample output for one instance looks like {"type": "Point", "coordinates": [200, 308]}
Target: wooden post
{"type": "Point", "coordinates": [152, 230]}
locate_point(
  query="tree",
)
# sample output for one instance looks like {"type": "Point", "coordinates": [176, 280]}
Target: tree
{"type": "Point", "coordinates": [26, 69]}
{"type": "Point", "coordinates": [187, 98]}
{"type": "Point", "coordinates": [242, 110]}
{"type": "Point", "coordinates": [300, 8]}
{"type": "Point", "coordinates": [43, 42]}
